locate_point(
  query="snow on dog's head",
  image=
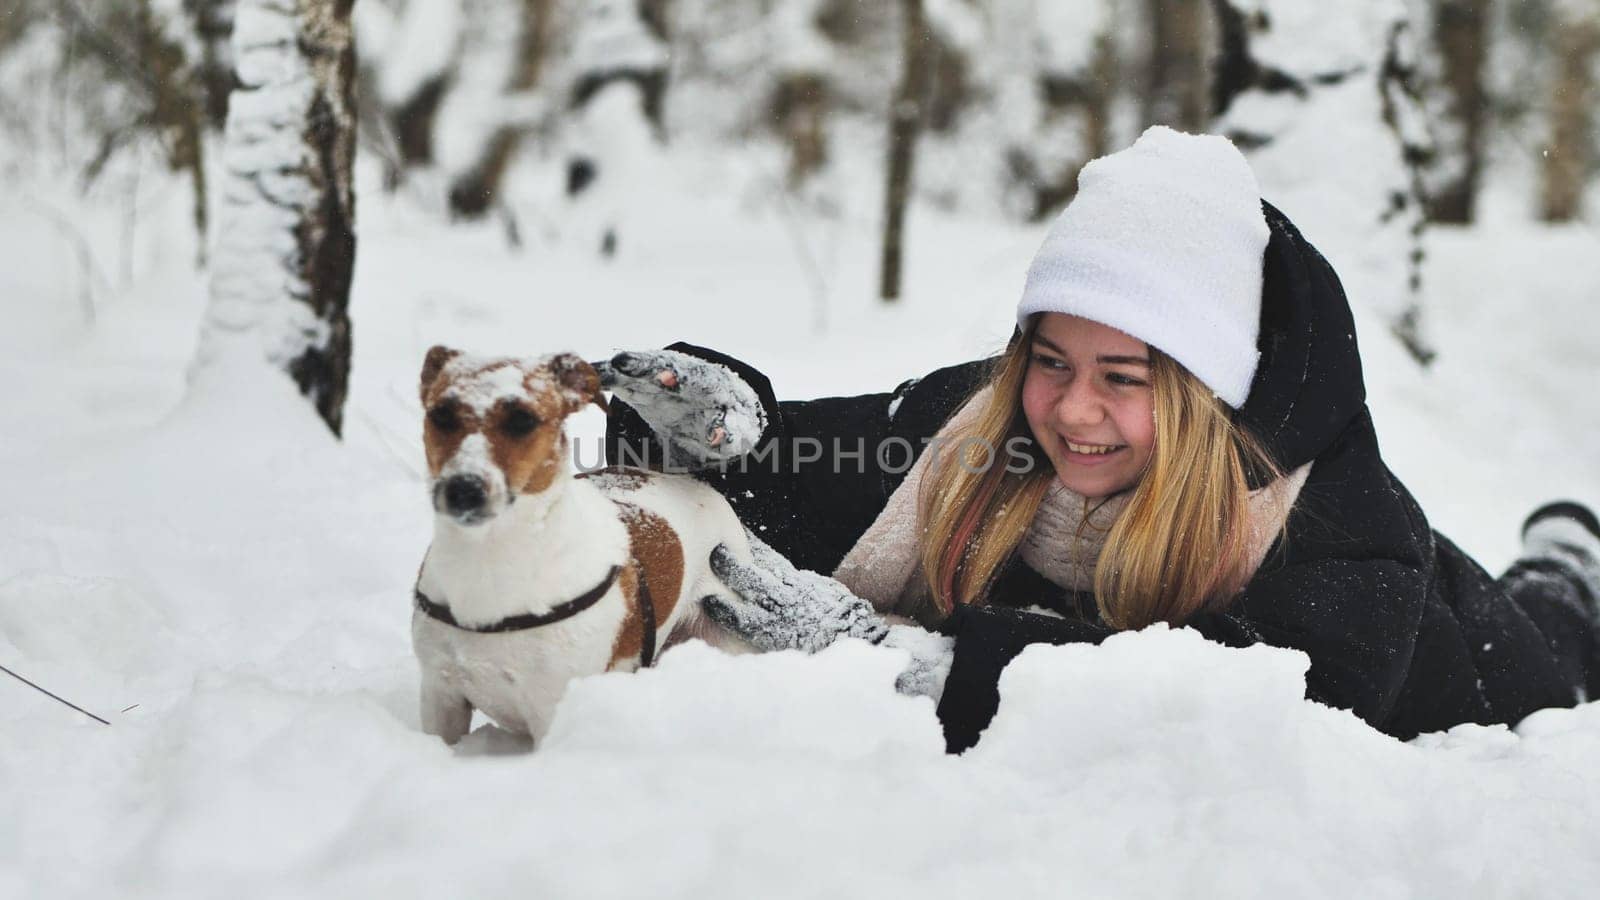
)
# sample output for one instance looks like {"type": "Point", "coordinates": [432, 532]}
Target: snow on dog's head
{"type": "Point", "coordinates": [493, 427]}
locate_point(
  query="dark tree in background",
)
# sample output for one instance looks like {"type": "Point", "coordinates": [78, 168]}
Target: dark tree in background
{"type": "Point", "coordinates": [1175, 71]}
{"type": "Point", "coordinates": [212, 21]}
{"type": "Point", "coordinates": [615, 101]}
{"type": "Point", "coordinates": [1461, 41]}
{"type": "Point", "coordinates": [1060, 90]}
{"type": "Point", "coordinates": [905, 123]}
{"type": "Point", "coordinates": [285, 249]}
{"type": "Point", "coordinates": [1569, 155]}
{"type": "Point", "coordinates": [128, 43]}
{"type": "Point", "coordinates": [803, 87]}
{"type": "Point", "coordinates": [412, 120]}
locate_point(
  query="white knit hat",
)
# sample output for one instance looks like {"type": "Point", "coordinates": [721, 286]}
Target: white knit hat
{"type": "Point", "coordinates": [1164, 241]}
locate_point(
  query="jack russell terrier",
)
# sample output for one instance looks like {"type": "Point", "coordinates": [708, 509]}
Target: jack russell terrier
{"type": "Point", "coordinates": [535, 575]}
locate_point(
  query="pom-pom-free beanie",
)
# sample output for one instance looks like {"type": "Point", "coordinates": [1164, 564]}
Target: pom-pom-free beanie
{"type": "Point", "coordinates": [1164, 241]}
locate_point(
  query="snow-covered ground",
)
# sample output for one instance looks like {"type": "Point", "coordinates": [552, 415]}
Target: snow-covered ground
{"type": "Point", "coordinates": [229, 587]}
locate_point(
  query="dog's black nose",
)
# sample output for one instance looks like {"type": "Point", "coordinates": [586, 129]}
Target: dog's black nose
{"type": "Point", "coordinates": [465, 493]}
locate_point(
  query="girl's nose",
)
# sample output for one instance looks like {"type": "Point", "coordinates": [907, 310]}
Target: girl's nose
{"type": "Point", "coordinates": [1079, 404]}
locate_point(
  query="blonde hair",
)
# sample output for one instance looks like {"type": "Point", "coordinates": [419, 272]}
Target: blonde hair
{"type": "Point", "coordinates": [1180, 546]}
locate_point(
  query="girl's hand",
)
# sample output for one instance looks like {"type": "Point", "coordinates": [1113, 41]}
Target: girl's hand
{"type": "Point", "coordinates": [779, 607]}
{"type": "Point", "coordinates": [703, 412]}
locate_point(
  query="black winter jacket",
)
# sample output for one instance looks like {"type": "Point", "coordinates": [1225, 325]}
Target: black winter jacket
{"type": "Point", "coordinates": [1400, 625]}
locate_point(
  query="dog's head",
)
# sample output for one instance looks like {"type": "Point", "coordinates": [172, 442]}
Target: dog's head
{"type": "Point", "coordinates": [493, 428]}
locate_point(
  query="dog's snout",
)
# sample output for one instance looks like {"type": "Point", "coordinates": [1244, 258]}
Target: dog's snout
{"type": "Point", "coordinates": [464, 494]}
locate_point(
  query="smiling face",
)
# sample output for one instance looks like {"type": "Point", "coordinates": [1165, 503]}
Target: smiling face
{"type": "Point", "coordinates": [1089, 403]}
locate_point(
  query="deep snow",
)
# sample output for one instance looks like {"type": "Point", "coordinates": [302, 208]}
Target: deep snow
{"type": "Point", "coordinates": [228, 586]}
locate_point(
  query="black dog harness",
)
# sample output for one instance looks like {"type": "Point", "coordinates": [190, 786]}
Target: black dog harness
{"type": "Point", "coordinates": [560, 612]}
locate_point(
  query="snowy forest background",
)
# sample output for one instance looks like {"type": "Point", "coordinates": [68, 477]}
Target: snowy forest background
{"type": "Point", "coordinates": [231, 229]}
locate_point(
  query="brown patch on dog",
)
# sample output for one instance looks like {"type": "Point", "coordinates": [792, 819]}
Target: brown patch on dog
{"type": "Point", "coordinates": [438, 356]}
{"type": "Point", "coordinates": [580, 379]}
{"type": "Point", "coordinates": [531, 461]}
{"type": "Point", "coordinates": [629, 640]}
{"type": "Point", "coordinates": [439, 444]}
{"type": "Point", "coordinates": [621, 478]}
{"type": "Point", "coordinates": [656, 552]}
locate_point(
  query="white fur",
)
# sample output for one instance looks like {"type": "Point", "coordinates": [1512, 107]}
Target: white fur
{"type": "Point", "coordinates": [540, 551]}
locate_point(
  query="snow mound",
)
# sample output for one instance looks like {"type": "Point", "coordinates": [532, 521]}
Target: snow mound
{"type": "Point", "coordinates": [1208, 759]}
{"type": "Point", "coordinates": [839, 704]}
{"type": "Point", "coordinates": [1171, 689]}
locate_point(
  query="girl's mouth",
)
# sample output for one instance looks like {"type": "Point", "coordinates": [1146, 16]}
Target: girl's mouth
{"type": "Point", "coordinates": [1090, 454]}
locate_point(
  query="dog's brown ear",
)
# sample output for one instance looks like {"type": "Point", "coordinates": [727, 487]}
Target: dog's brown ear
{"type": "Point", "coordinates": [435, 361]}
{"type": "Point", "coordinates": [579, 381]}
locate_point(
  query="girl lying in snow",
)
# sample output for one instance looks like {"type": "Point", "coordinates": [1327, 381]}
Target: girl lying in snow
{"type": "Point", "coordinates": [1177, 433]}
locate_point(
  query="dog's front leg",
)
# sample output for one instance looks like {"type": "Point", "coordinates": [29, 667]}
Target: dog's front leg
{"type": "Point", "coordinates": [444, 712]}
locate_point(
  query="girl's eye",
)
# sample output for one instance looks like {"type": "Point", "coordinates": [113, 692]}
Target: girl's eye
{"type": "Point", "coordinates": [444, 418]}
{"type": "Point", "coordinates": [1124, 380]}
{"type": "Point", "coordinates": [519, 422]}
{"type": "Point", "coordinates": [1049, 362]}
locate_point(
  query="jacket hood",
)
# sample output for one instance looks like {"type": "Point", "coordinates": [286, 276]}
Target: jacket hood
{"type": "Point", "coordinates": [1308, 384]}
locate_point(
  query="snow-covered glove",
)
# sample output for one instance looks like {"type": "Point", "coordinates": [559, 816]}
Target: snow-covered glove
{"type": "Point", "coordinates": [931, 655]}
{"type": "Point", "coordinates": [779, 607]}
{"type": "Point", "coordinates": [703, 412]}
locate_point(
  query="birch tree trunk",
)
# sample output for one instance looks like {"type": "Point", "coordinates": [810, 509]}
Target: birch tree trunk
{"type": "Point", "coordinates": [285, 246]}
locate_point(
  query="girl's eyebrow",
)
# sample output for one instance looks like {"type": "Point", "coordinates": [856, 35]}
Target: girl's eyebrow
{"type": "Point", "coordinates": [1124, 360]}
{"type": "Point", "coordinates": [1112, 360]}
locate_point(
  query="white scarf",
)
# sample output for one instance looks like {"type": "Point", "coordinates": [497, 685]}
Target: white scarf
{"type": "Point", "coordinates": [884, 566]}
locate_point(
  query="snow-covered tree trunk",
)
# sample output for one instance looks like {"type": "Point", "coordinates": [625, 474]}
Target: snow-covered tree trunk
{"type": "Point", "coordinates": [1055, 75]}
{"type": "Point", "coordinates": [413, 53]}
{"type": "Point", "coordinates": [905, 123]}
{"type": "Point", "coordinates": [285, 246]}
{"type": "Point", "coordinates": [619, 61]}
{"type": "Point", "coordinates": [477, 189]}
{"type": "Point", "coordinates": [1326, 108]}
{"type": "Point", "coordinates": [1569, 153]}
{"type": "Point", "coordinates": [1461, 46]}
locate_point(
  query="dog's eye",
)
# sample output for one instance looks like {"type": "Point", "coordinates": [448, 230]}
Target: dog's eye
{"type": "Point", "coordinates": [519, 422]}
{"type": "Point", "coordinates": [444, 417]}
